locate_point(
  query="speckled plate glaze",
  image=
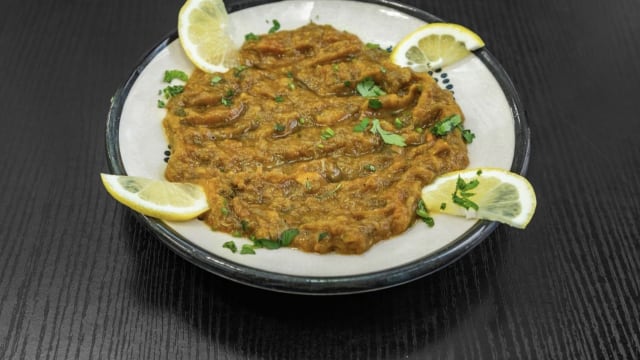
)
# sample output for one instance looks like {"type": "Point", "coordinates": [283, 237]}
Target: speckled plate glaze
{"type": "Point", "coordinates": [136, 145]}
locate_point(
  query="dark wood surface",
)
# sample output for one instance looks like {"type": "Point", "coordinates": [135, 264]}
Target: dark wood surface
{"type": "Point", "coordinates": [81, 279]}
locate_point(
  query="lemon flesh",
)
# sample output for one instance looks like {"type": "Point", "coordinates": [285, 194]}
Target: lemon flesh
{"type": "Point", "coordinates": [435, 45]}
{"type": "Point", "coordinates": [203, 29]}
{"type": "Point", "coordinates": [157, 198]}
{"type": "Point", "coordinates": [501, 196]}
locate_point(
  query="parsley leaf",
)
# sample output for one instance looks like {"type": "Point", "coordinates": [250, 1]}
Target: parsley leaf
{"type": "Point", "coordinates": [445, 126]}
{"type": "Point", "coordinates": [461, 194]}
{"type": "Point", "coordinates": [172, 90]}
{"type": "Point", "coordinates": [285, 239]}
{"type": "Point", "coordinates": [422, 213]}
{"type": "Point", "coordinates": [468, 136]}
{"type": "Point", "coordinates": [375, 104]}
{"type": "Point", "coordinates": [387, 136]}
{"type": "Point", "coordinates": [170, 75]}
{"type": "Point", "coordinates": [287, 236]}
{"type": "Point", "coordinates": [251, 37]}
{"type": "Point", "coordinates": [362, 126]}
{"type": "Point", "coordinates": [368, 88]}
{"type": "Point", "coordinates": [231, 246]}
{"type": "Point", "coordinates": [247, 249]}
{"type": "Point", "coordinates": [327, 133]}
{"type": "Point", "coordinates": [216, 79]}
{"type": "Point", "coordinates": [275, 27]}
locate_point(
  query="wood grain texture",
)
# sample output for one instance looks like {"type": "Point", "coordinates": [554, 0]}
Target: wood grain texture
{"type": "Point", "coordinates": [81, 279]}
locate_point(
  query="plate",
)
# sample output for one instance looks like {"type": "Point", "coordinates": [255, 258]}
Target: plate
{"type": "Point", "coordinates": [136, 145]}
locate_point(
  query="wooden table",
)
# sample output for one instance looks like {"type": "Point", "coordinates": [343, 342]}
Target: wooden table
{"type": "Point", "coordinates": [80, 278]}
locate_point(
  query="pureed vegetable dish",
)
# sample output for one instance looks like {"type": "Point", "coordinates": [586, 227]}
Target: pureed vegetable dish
{"type": "Point", "coordinates": [315, 132]}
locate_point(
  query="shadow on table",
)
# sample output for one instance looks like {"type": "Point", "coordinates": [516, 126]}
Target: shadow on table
{"type": "Point", "coordinates": [433, 315]}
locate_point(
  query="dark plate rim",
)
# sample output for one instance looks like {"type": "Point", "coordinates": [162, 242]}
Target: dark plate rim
{"type": "Point", "coordinates": [321, 285]}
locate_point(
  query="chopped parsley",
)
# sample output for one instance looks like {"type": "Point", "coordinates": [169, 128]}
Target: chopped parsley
{"type": "Point", "coordinates": [387, 136]}
{"type": "Point", "coordinates": [170, 75]}
{"type": "Point", "coordinates": [279, 127]}
{"type": "Point", "coordinates": [275, 27]}
{"type": "Point", "coordinates": [216, 80]}
{"type": "Point", "coordinates": [161, 104]}
{"type": "Point", "coordinates": [468, 136]}
{"type": "Point", "coordinates": [447, 125]}
{"type": "Point", "coordinates": [172, 90]}
{"type": "Point", "coordinates": [251, 37]}
{"type": "Point", "coordinates": [238, 70]}
{"type": "Point", "coordinates": [327, 133]}
{"type": "Point", "coordinates": [227, 100]}
{"type": "Point", "coordinates": [247, 250]}
{"type": "Point", "coordinates": [423, 214]}
{"type": "Point", "coordinates": [462, 193]}
{"type": "Point", "coordinates": [370, 167]}
{"type": "Point", "coordinates": [362, 126]}
{"type": "Point", "coordinates": [285, 239]}
{"type": "Point", "coordinates": [278, 98]}
{"type": "Point", "coordinates": [231, 246]}
{"type": "Point", "coordinates": [375, 104]}
{"type": "Point", "coordinates": [368, 88]}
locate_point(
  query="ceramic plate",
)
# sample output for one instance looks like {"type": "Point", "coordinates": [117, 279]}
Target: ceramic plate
{"type": "Point", "coordinates": [136, 145]}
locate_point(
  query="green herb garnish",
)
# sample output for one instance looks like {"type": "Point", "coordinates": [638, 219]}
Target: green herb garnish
{"type": "Point", "coordinates": [237, 71]}
{"type": "Point", "coordinates": [468, 136]}
{"type": "Point", "coordinates": [447, 125]}
{"type": "Point", "coordinates": [370, 167]}
{"type": "Point", "coordinates": [244, 224]}
{"type": "Point", "coordinates": [247, 250]}
{"type": "Point", "coordinates": [216, 80]}
{"type": "Point", "coordinates": [172, 90]}
{"type": "Point", "coordinates": [170, 75]}
{"type": "Point", "coordinates": [287, 236]}
{"type": "Point", "coordinates": [251, 37]}
{"type": "Point", "coordinates": [285, 239]}
{"type": "Point", "coordinates": [462, 193]}
{"type": "Point", "coordinates": [279, 127]}
{"type": "Point", "coordinates": [278, 98]}
{"type": "Point", "coordinates": [161, 104]}
{"type": "Point", "coordinates": [375, 104]}
{"type": "Point", "coordinates": [362, 126]}
{"type": "Point", "coordinates": [327, 133]}
{"type": "Point", "coordinates": [275, 27]}
{"type": "Point", "coordinates": [423, 214]}
{"type": "Point", "coordinates": [387, 136]}
{"type": "Point", "coordinates": [368, 88]}
{"type": "Point", "coordinates": [231, 246]}
{"type": "Point", "coordinates": [227, 100]}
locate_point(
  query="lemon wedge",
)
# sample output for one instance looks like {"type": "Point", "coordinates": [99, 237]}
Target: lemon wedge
{"type": "Point", "coordinates": [157, 198]}
{"type": "Point", "coordinates": [203, 29]}
{"type": "Point", "coordinates": [434, 46]}
{"type": "Point", "coordinates": [489, 194]}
